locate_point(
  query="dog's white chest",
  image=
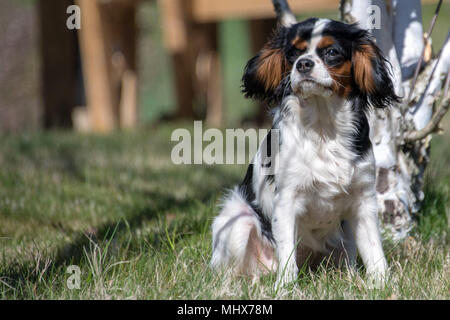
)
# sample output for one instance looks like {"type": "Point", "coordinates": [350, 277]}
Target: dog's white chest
{"type": "Point", "coordinates": [322, 167]}
{"type": "Point", "coordinates": [316, 146]}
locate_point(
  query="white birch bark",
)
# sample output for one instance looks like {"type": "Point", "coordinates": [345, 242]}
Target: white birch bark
{"type": "Point", "coordinates": [423, 110]}
{"type": "Point", "coordinates": [400, 157]}
{"type": "Point", "coordinates": [408, 34]}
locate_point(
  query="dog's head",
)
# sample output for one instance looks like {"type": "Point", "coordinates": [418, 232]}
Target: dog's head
{"type": "Point", "coordinates": [320, 57]}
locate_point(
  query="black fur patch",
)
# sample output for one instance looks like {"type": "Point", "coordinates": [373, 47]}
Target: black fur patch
{"type": "Point", "coordinates": [246, 188]}
{"type": "Point", "coordinates": [360, 138]}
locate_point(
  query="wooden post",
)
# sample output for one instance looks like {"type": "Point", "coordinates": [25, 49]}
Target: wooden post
{"type": "Point", "coordinates": [97, 67]}
{"type": "Point", "coordinates": [121, 32]}
{"type": "Point", "coordinates": [214, 98]}
{"type": "Point", "coordinates": [60, 67]}
{"type": "Point", "coordinates": [184, 84]}
{"type": "Point", "coordinates": [128, 100]}
{"type": "Point", "coordinates": [177, 35]}
{"type": "Point", "coordinates": [208, 72]}
{"type": "Point", "coordinates": [195, 60]}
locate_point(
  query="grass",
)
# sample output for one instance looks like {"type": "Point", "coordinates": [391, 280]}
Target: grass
{"type": "Point", "coordinates": [138, 226]}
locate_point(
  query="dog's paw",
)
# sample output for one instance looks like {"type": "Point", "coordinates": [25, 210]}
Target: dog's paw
{"type": "Point", "coordinates": [377, 279]}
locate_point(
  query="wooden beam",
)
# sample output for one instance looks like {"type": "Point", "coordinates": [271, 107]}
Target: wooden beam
{"type": "Point", "coordinates": [96, 67]}
{"type": "Point", "coordinates": [216, 10]}
{"type": "Point", "coordinates": [174, 24]}
{"type": "Point", "coordinates": [178, 34]}
{"type": "Point", "coordinates": [128, 100]}
{"type": "Point", "coordinates": [121, 30]}
{"type": "Point", "coordinates": [184, 80]}
{"type": "Point", "coordinates": [211, 80]}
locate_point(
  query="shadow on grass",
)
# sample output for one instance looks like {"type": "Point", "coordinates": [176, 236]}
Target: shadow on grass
{"type": "Point", "coordinates": [162, 203]}
{"type": "Point", "coordinates": [154, 194]}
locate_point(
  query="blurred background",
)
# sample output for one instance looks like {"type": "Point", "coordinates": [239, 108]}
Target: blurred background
{"type": "Point", "coordinates": [186, 65]}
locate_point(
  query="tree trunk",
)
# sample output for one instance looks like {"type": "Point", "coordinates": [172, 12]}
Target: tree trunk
{"type": "Point", "coordinates": [401, 135]}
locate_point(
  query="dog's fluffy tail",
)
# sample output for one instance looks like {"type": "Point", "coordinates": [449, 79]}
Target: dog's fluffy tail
{"type": "Point", "coordinates": [238, 241]}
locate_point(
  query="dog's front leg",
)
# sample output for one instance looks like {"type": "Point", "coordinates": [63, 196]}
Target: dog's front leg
{"type": "Point", "coordinates": [284, 231]}
{"type": "Point", "coordinates": [368, 240]}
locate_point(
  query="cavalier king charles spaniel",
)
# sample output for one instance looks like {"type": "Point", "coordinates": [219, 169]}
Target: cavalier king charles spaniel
{"type": "Point", "coordinates": [320, 202]}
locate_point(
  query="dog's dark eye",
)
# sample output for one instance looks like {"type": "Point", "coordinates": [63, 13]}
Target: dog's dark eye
{"type": "Point", "coordinates": [331, 52]}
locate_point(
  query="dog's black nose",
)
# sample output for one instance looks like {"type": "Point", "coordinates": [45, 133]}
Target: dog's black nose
{"type": "Point", "coordinates": [305, 65]}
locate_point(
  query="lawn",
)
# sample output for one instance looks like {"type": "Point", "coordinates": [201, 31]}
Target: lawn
{"type": "Point", "coordinates": [138, 227]}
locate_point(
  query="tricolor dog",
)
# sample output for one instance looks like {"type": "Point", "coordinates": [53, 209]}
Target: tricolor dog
{"type": "Point", "coordinates": [320, 203]}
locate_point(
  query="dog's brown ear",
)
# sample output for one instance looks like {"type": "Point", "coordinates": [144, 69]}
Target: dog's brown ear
{"type": "Point", "coordinates": [363, 55]}
{"type": "Point", "coordinates": [372, 73]}
{"type": "Point", "coordinates": [270, 67]}
{"type": "Point", "coordinates": [264, 73]}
